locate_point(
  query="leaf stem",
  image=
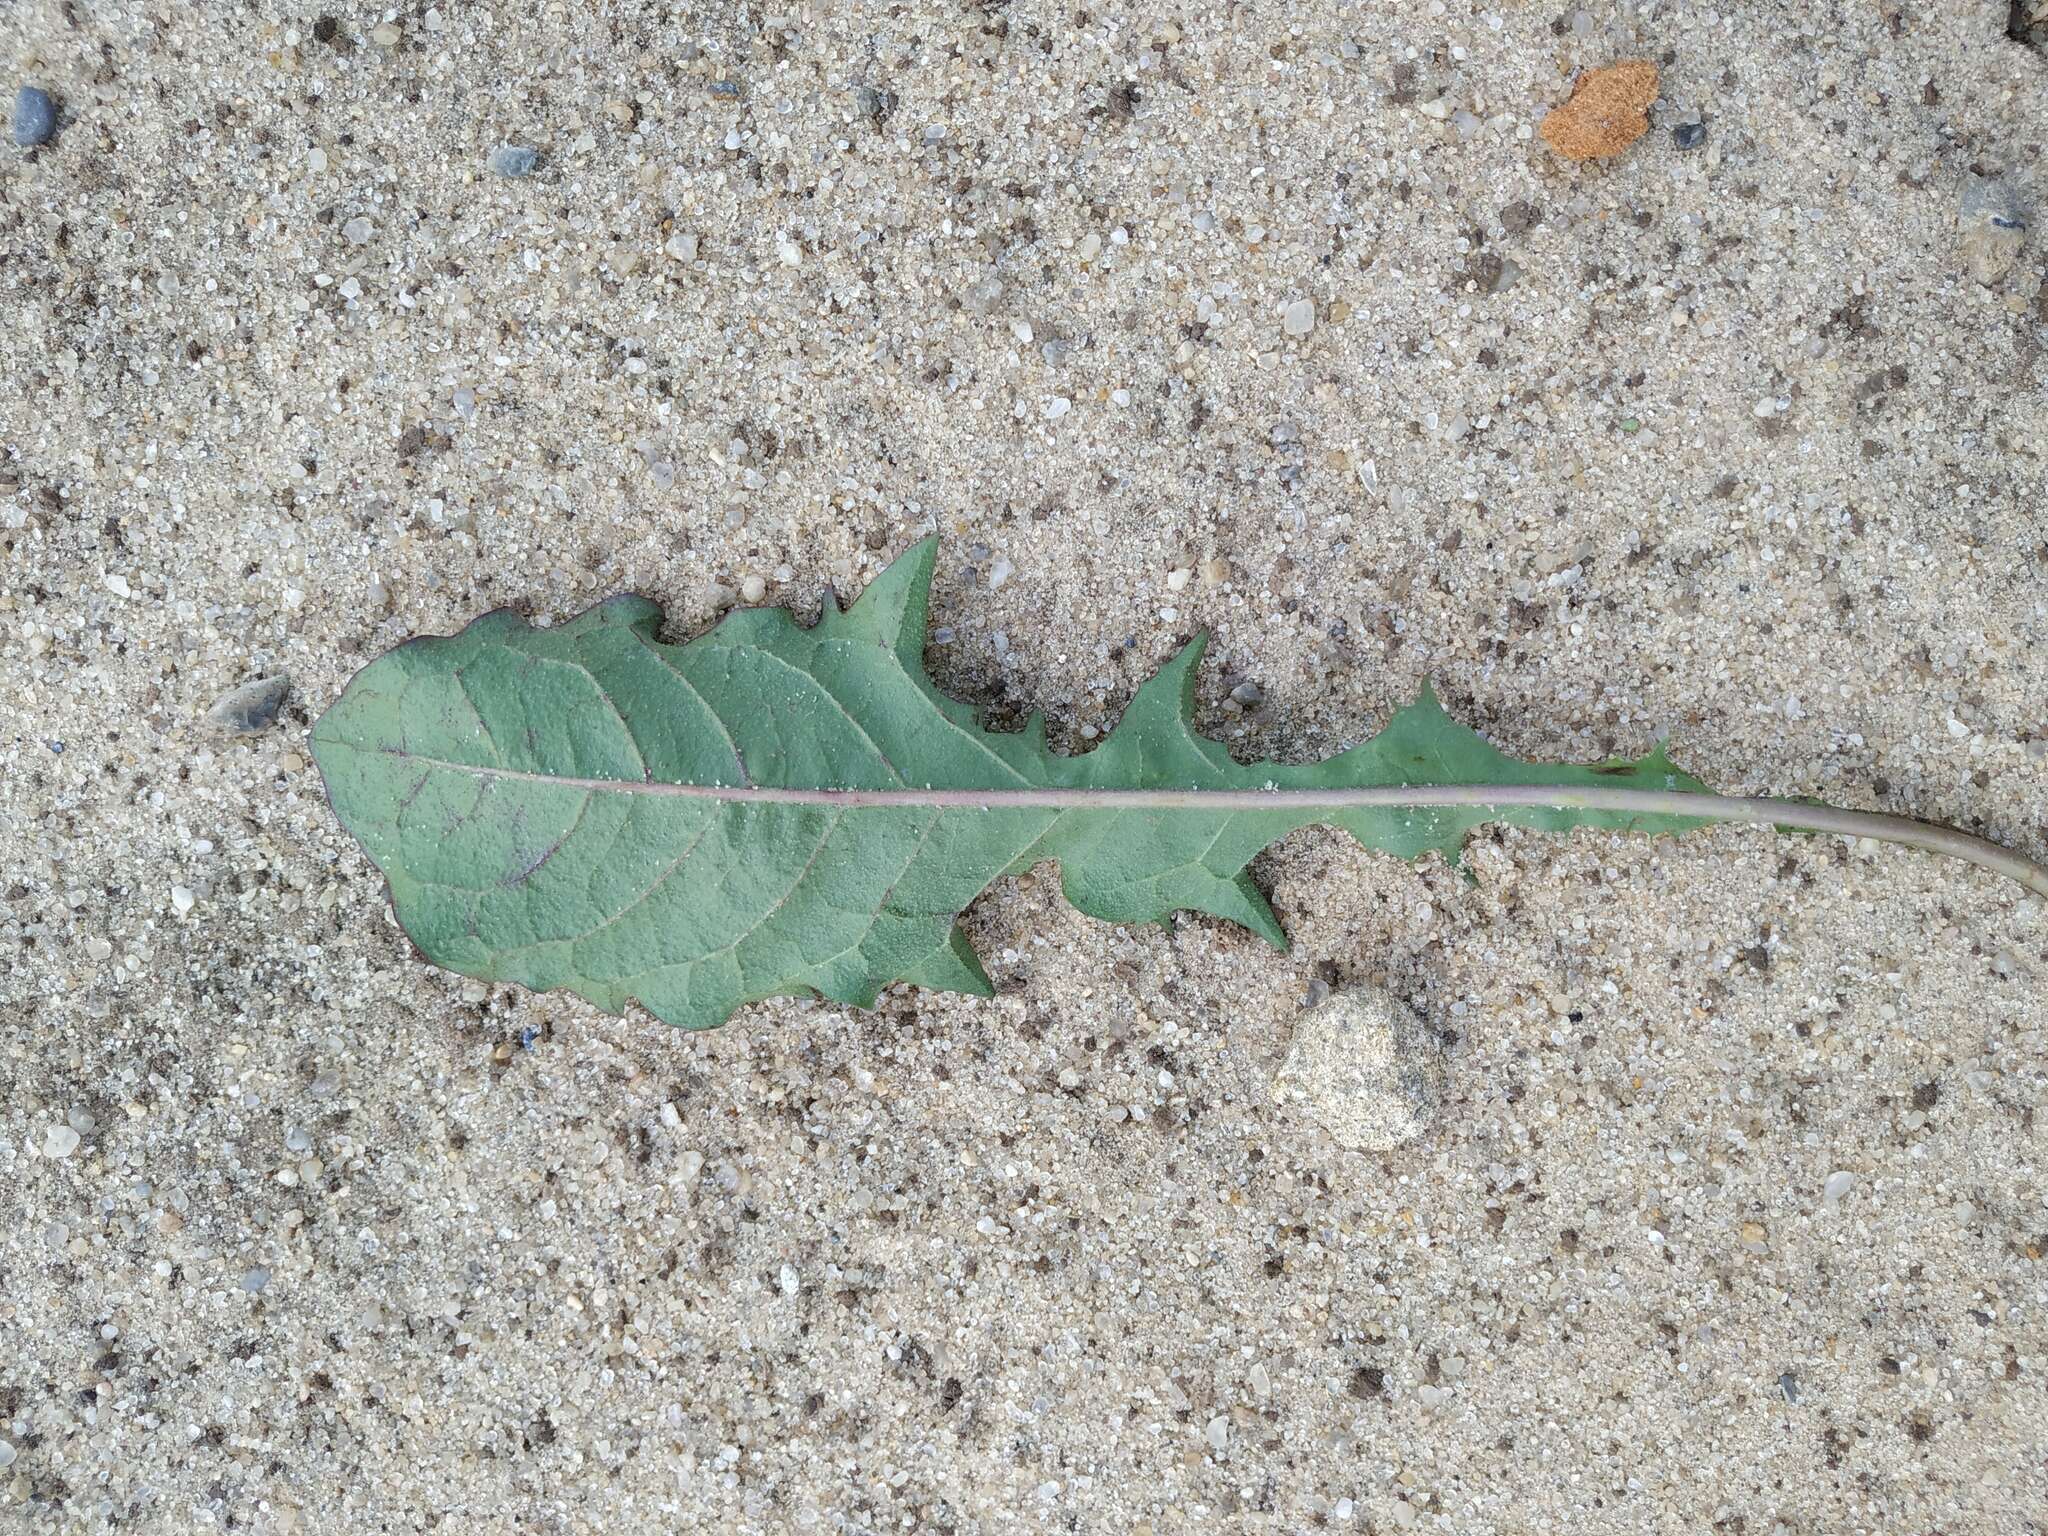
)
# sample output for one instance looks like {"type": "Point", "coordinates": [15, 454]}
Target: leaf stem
{"type": "Point", "coordinates": [1790, 815]}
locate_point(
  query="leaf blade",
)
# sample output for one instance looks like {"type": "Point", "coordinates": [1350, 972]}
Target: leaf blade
{"type": "Point", "coordinates": [769, 810]}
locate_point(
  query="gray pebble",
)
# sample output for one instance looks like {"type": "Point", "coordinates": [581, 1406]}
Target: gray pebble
{"type": "Point", "coordinates": [513, 161]}
{"type": "Point", "coordinates": [1689, 135]}
{"type": "Point", "coordinates": [1992, 227]}
{"type": "Point", "coordinates": [35, 117]}
{"type": "Point", "coordinates": [255, 1280]}
{"type": "Point", "coordinates": [252, 707]}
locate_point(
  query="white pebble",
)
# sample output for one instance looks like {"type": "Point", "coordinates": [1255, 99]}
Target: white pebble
{"type": "Point", "coordinates": [1000, 570]}
{"type": "Point", "coordinates": [357, 231]}
{"type": "Point", "coordinates": [1839, 1183]}
{"type": "Point", "coordinates": [59, 1141]}
{"type": "Point", "coordinates": [682, 247]}
{"type": "Point", "coordinates": [1178, 578]}
{"type": "Point", "coordinates": [316, 160]}
{"type": "Point", "coordinates": [791, 1281]}
{"type": "Point", "coordinates": [1299, 318]}
{"type": "Point", "coordinates": [1057, 407]}
{"type": "Point", "coordinates": [791, 253]}
{"type": "Point", "coordinates": [753, 589]}
{"type": "Point", "coordinates": [1218, 1434]}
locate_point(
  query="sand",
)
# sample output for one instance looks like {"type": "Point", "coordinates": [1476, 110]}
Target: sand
{"type": "Point", "coordinates": [1728, 1209]}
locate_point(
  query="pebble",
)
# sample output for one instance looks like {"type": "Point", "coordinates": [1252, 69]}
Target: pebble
{"type": "Point", "coordinates": [59, 1141]}
{"type": "Point", "coordinates": [1992, 227]}
{"type": "Point", "coordinates": [1838, 1184]}
{"type": "Point", "coordinates": [753, 589]}
{"type": "Point", "coordinates": [35, 117]}
{"type": "Point", "coordinates": [357, 231]}
{"type": "Point", "coordinates": [1689, 135]}
{"type": "Point", "coordinates": [513, 161]}
{"type": "Point", "coordinates": [1607, 112]}
{"type": "Point", "coordinates": [1000, 570]}
{"type": "Point", "coordinates": [1299, 318]}
{"type": "Point", "coordinates": [6, 1454]}
{"type": "Point", "coordinates": [681, 247]}
{"type": "Point", "coordinates": [384, 36]}
{"type": "Point", "coordinates": [254, 1280]}
{"type": "Point", "coordinates": [1215, 571]}
{"type": "Point", "coordinates": [252, 707]}
{"type": "Point", "coordinates": [1365, 1068]}
{"type": "Point", "coordinates": [790, 1281]}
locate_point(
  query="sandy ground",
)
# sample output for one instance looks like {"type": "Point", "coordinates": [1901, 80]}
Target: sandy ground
{"type": "Point", "coordinates": [1732, 1212]}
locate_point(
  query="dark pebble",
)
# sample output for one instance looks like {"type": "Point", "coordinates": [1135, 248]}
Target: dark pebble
{"type": "Point", "coordinates": [252, 707]}
{"type": "Point", "coordinates": [35, 117]}
{"type": "Point", "coordinates": [1689, 135]}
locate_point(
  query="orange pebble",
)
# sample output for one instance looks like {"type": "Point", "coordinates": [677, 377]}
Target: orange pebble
{"type": "Point", "coordinates": [1606, 112]}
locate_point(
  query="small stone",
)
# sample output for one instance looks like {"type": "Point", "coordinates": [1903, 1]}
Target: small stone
{"type": "Point", "coordinates": [384, 36]}
{"type": "Point", "coordinates": [1838, 1184]}
{"type": "Point", "coordinates": [35, 117]}
{"type": "Point", "coordinates": [1689, 135]}
{"type": "Point", "coordinates": [254, 1280]}
{"type": "Point", "coordinates": [1607, 112]}
{"type": "Point", "coordinates": [6, 1454]}
{"type": "Point", "coordinates": [182, 899]}
{"type": "Point", "coordinates": [681, 247]}
{"type": "Point", "coordinates": [1789, 1385]}
{"type": "Point", "coordinates": [59, 1141]}
{"type": "Point", "coordinates": [81, 1119]}
{"type": "Point", "coordinates": [789, 1280]}
{"type": "Point", "coordinates": [513, 161]}
{"type": "Point", "coordinates": [982, 296]}
{"type": "Point", "coordinates": [1365, 1068]}
{"type": "Point", "coordinates": [1000, 570]}
{"type": "Point", "coordinates": [753, 589]}
{"type": "Point", "coordinates": [1992, 227]}
{"type": "Point", "coordinates": [357, 231]}
{"type": "Point", "coordinates": [1299, 318]}
{"type": "Point", "coordinates": [1247, 694]}
{"type": "Point", "coordinates": [1218, 1434]}
{"type": "Point", "coordinates": [252, 707]}
{"type": "Point", "coordinates": [1215, 571]}
{"type": "Point", "coordinates": [1177, 579]}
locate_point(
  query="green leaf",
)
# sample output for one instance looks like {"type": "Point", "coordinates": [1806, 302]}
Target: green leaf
{"type": "Point", "coordinates": [771, 810]}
